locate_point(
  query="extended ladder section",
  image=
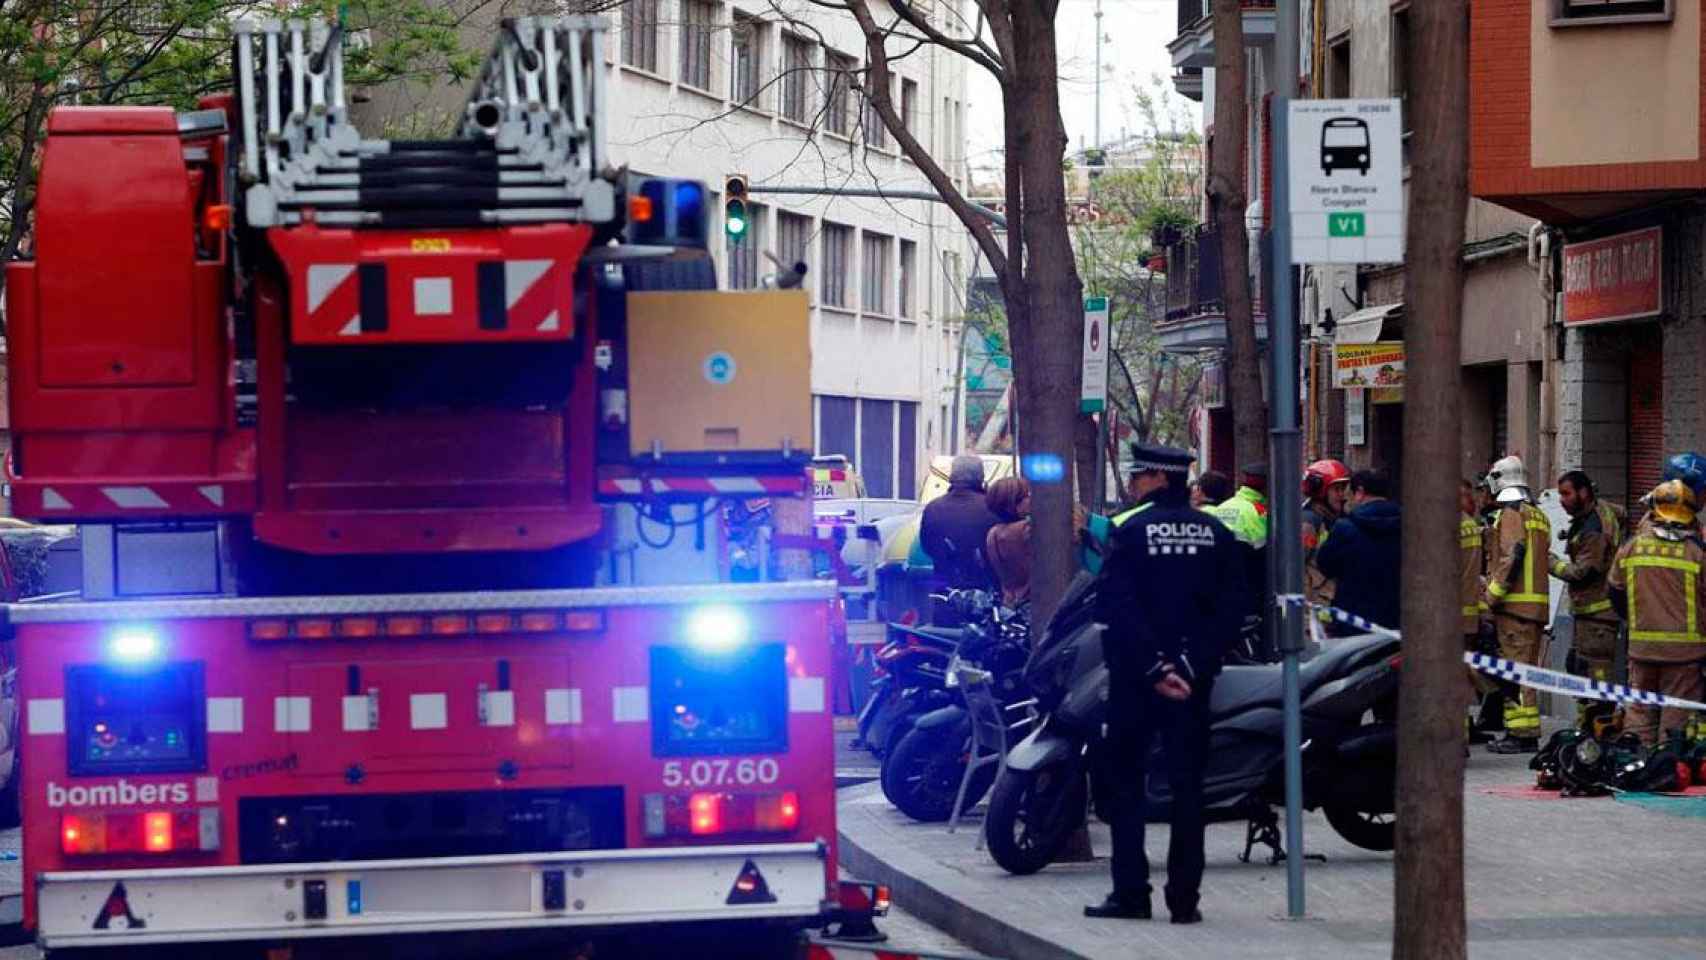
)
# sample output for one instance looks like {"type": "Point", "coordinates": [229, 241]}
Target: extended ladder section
{"type": "Point", "coordinates": [530, 149]}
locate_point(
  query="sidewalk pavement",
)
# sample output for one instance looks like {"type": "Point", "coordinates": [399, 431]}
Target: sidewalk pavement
{"type": "Point", "coordinates": [1547, 878]}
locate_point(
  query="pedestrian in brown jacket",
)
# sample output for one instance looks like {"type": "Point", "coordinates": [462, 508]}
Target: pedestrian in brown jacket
{"type": "Point", "coordinates": [1008, 545]}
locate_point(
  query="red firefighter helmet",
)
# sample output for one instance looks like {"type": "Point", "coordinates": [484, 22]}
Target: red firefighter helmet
{"type": "Point", "coordinates": [1321, 474]}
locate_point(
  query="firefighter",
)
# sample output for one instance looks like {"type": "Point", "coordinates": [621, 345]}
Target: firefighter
{"type": "Point", "coordinates": [1516, 593]}
{"type": "Point", "coordinates": [1690, 468]}
{"type": "Point", "coordinates": [1169, 597]}
{"type": "Point", "coordinates": [1592, 539]}
{"type": "Point", "coordinates": [1657, 582]}
{"type": "Point", "coordinates": [1326, 483]}
{"type": "Point", "coordinates": [1470, 584]}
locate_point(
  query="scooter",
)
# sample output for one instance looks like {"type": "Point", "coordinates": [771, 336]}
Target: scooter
{"type": "Point", "coordinates": [921, 775]}
{"type": "Point", "coordinates": [1061, 770]}
{"type": "Point", "coordinates": [913, 670]}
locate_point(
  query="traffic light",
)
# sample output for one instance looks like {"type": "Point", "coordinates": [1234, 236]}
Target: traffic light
{"type": "Point", "coordinates": [734, 206]}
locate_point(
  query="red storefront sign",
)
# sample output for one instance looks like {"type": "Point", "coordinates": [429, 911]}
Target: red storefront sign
{"type": "Point", "coordinates": [1614, 278]}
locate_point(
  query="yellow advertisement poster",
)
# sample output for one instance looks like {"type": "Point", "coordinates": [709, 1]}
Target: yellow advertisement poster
{"type": "Point", "coordinates": [1358, 365]}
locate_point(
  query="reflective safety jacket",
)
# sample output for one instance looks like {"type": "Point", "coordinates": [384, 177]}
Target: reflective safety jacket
{"type": "Point", "coordinates": [1517, 548]}
{"type": "Point", "coordinates": [1592, 543]}
{"type": "Point", "coordinates": [1246, 515]}
{"type": "Point", "coordinates": [1471, 557]}
{"type": "Point", "coordinates": [1662, 582]}
{"type": "Point", "coordinates": [1318, 522]}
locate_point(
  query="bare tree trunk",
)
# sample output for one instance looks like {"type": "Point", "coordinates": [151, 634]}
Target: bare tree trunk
{"type": "Point", "coordinates": [1049, 333]}
{"type": "Point", "coordinates": [1428, 898]}
{"type": "Point", "coordinates": [1228, 199]}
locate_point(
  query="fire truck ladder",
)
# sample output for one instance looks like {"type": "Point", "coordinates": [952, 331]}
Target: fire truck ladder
{"type": "Point", "coordinates": [530, 148]}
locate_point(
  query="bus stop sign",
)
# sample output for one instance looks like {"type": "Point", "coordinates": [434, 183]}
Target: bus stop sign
{"type": "Point", "coordinates": [1347, 181]}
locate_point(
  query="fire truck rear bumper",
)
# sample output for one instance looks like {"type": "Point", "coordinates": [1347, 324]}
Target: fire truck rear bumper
{"type": "Point", "coordinates": [507, 892]}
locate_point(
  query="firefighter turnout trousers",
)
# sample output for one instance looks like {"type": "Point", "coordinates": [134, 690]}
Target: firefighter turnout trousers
{"type": "Point", "coordinates": [1519, 640]}
{"type": "Point", "coordinates": [1681, 680]}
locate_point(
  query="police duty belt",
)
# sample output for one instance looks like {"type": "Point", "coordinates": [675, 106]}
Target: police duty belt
{"type": "Point", "coordinates": [1521, 674]}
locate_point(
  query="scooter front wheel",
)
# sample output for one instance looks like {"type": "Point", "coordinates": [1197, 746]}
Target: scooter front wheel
{"type": "Point", "coordinates": [1032, 814]}
{"type": "Point", "coordinates": [1366, 829]}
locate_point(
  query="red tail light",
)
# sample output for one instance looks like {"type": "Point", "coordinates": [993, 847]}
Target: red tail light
{"type": "Point", "coordinates": [713, 814]}
{"type": "Point", "coordinates": [152, 831]}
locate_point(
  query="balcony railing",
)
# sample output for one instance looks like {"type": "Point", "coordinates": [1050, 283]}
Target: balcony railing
{"type": "Point", "coordinates": [1193, 276]}
{"type": "Point", "coordinates": [1193, 45]}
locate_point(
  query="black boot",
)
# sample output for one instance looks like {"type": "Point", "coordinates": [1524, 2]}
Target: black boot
{"type": "Point", "coordinates": [1116, 907]}
{"type": "Point", "coordinates": [1508, 744]}
{"type": "Point", "coordinates": [1490, 718]}
{"type": "Point", "coordinates": [1183, 909]}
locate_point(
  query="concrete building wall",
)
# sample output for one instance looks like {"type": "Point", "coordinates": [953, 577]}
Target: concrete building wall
{"type": "Point", "coordinates": [1614, 95]}
{"type": "Point", "coordinates": [1593, 408]}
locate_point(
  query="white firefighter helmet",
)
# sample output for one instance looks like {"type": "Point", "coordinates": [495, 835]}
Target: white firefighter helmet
{"type": "Point", "coordinates": [1508, 480]}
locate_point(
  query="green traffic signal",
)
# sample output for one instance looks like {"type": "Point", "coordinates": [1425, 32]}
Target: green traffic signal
{"type": "Point", "coordinates": [734, 206]}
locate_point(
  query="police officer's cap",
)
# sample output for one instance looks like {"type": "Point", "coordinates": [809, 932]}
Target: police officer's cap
{"type": "Point", "coordinates": [1146, 457]}
{"type": "Point", "coordinates": [1255, 469]}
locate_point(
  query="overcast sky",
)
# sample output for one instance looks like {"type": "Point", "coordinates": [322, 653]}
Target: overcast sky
{"type": "Point", "coordinates": [1135, 56]}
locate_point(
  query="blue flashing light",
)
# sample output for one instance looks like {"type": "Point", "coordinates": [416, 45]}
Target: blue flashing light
{"type": "Point", "coordinates": [678, 213]}
{"type": "Point", "coordinates": [133, 644]}
{"type": "Point", "coordinates": [1043, 467]}
{"type": "Point", "coordinates": [717, 629]}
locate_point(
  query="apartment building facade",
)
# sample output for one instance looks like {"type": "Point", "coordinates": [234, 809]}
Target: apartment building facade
{"type": "Point", "coordinates": [1589, 116]}
{"type": "Point", "coordinates": [1361, 49]}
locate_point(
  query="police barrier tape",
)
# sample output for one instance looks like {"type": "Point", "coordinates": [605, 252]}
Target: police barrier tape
{"type": "Point", "coordinates": [1521, 674]}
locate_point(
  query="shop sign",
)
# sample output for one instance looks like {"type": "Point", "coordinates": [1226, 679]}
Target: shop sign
{"type": "Point", "coordinates": [1213, 386]}
{"type": "Point", "coordinates": [1378, 364]}
{"type": "Point", "coordinates": [1614, 278]}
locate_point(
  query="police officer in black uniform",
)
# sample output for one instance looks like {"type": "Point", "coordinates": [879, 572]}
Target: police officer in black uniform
{"type": "Point", "coordinates": [1172, 595]}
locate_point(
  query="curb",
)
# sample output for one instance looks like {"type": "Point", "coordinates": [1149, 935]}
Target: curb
{"type": "Point", "coordinates": [920, 885]}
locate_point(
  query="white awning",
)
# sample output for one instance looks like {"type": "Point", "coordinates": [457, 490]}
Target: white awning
{"type": "Point", "coordinates": [1364, 325]}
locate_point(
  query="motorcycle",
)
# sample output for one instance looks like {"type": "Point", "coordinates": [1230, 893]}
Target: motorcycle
{"type": "Point", "coordinates": [922, 775]}
{"type": "Point", "coordinates": [912, 676]}
{"type": "Point", "coordinates": [1060, 772]}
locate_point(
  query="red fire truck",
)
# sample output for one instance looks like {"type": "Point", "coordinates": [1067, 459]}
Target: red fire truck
{"type": "Point", "coordinates": [370, 443]}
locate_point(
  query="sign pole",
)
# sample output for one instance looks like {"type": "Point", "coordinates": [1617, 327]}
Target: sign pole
{"type": "Point", "coordinates": [1286, 456]}
{"type": "Point", "coordinates": [1093, 397]}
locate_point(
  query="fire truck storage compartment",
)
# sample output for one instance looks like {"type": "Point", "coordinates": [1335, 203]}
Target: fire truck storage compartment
{"type": "Point", "coordinates": [456, 712]}
{"type": "Point", "coordinates": [115, 328]}
{"type": "Point", "coordinates": [715, 376]}
{"type": "Point", "coordinates": [398, 826]}
{"type": "Point", "coordinates": [115, 251]}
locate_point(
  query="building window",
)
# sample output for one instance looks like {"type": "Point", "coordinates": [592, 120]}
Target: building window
{"type": "Point", "coordinates": [874, 273]}
{"type": "Point", "coordinates": [747, 61]}
{"type": "Point", "coordinates": [793, 238]}
{"type": "Point", "coordinates": [837, 248]}
{"type": "Point", "coordinates": [1577, 12]}
{"type": "Point", "coordinates": [838, 117]}
{"type": "Point", "coordinates": [838, 427]}
{"type": "Point", "coordinates": [697, 18]}
{"type": "Point", "coordinates": [1339, 68]}
{"type": "Point", "coordinates": [908, 274]}
{"type": "Point", "coordinates": [909, 106]}
{"type": "Point", "coordinates": [743, 251]}
{"type": "Point", "coordinates": [876, 135]}
{"type": "Point", "coordinates": [640, 34]}
{"type": "Point", "coordinates": [796, 78]}
{"type": "Point", "coordinates": [876, 447]}
{"type": "Point", "coordinates": [906, 451]}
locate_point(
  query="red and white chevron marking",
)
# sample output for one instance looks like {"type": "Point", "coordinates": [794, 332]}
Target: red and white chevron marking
{"type": "Point", "coordinates": [152, 497]}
